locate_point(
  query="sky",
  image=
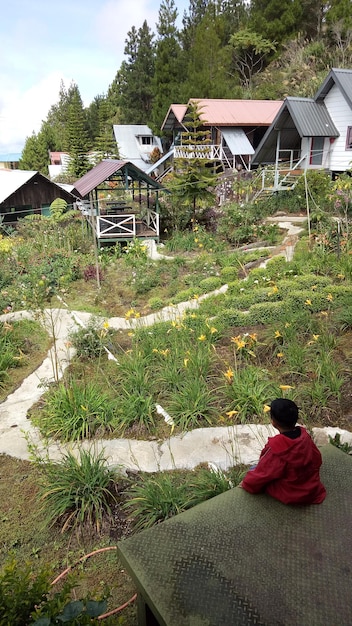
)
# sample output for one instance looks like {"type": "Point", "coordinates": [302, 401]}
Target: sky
{"type": "Point", "coordinates": [44, 42]}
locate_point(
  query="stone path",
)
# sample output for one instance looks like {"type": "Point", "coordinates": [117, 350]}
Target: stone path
{"type": "Point", "coordinates": [220, 446]}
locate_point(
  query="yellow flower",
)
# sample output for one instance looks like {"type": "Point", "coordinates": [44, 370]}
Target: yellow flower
{"type": "Point", "coordinates": [236, 339]}
{"type": "Point", "coordinates": [106, 325]}
{"type": "Point", "coordinates": [202, 338]}
{"type": "Point", "coordinates": [213, 330]}
{"type": "Point", "coordinates": [324, 313]}
{"type": "Point", "coordinates": [241, 344]}
{"type": "Point", "coordinates": [137, 315]}
{"type": "Point", "coordinates": [196, 240]}
{"type": "Point", "coordinates": [316, 337]}
{"type": "Point", "coordinates": [266, 408]}
{"type": "Point", "coordinates": [308, 302]}
{"type": "Point", "coordinates": [130, 334]}
{"type": "Point", "coordinates": [193, 316]}
{"type": "Point", "coordinates": [285, 387]}
{"type": "Point", "coordinates": [341, 276]}
{"type": "Point", "coordinates": [155, 350]}
{"type": "Point", "coordinates": [274, 290]}
{"type": "Point", "coordinates": [229, 374]}
{"type": "Point", "coordinates": [287, 325]}
{"type": "Point", "coordinates": [165, 352]}
{"type": "Point", "coordinates": [254, 336]}
{"type": "Point", "coordinates": [200, 245]}
{"type": "Point", "coordinates": [129, 313]}
{"type": "Point", "coordinates": [173, 323]}
{"type": "Point", "coordinates": [231, 413]}
{"type": "Point", "coordinates": [313, 287]}
{"type": "Point", "coordinates": [329, 297]}
{"type": "Point", "coordinates": [280, 355]}
{"type": "Point", "coordinates": [195, 296]}
{"type": "Point", "coordinates": [185, 362]}
{"type": "Point", "coordinates": [277, 334]}
{"type": "Point", "coordinates": [84, 408]}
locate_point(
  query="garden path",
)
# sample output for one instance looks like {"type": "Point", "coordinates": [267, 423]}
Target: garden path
{"type": "Point", "coordinates": [220, 446]}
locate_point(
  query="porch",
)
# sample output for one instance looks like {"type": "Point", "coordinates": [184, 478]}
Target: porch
{"type": "Point", "coordinates": [123, 225]}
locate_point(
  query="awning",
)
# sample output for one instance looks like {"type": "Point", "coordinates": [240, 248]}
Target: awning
{"type": "Point", "coordinates": [237, 141]}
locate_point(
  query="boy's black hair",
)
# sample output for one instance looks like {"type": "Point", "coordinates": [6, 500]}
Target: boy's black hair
{"type": "Point", "coordinates": [284, 412]}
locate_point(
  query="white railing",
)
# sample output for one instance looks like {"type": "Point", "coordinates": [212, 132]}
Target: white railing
{"type": "Point", "coordinates": [210, 152]}
{"type": "Point", "coordinates": [123, 226]}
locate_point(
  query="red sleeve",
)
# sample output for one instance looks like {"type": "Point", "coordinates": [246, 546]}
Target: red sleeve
{"type": "Point", "coordinates": [269, 468]}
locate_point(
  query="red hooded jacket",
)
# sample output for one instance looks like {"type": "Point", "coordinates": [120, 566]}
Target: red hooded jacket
{"type": "Point", "coordinates": [288, 470]}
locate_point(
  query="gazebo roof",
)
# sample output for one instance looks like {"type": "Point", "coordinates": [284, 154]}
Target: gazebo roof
{"type": "Point", "coordinates": [107, 168]}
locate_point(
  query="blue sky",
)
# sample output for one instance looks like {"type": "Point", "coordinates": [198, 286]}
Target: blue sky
{"type": "Point", "coordinates": [44, 42]}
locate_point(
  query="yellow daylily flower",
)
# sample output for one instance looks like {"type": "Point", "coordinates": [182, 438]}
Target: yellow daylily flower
{"type": "Point", "coordinates": [185, 362]}
{"type": "Point", "coordinates": [229, 374]}
{"type": "Point", "coordinates": [231, 413]}
{"type": "Point", "coordinates": [213, 330]}
{"type": "Point", "coordinates": [266, 408]}
{"type": "Point", "coordinates": [316, 337]}
{"type": "Point", "coordinates": [308, 302]}
{"type": "Point", "coordinates": [285, 387]}
{"type": "Point", "coordinates": [287, 325]}
{"type": "Point", "coordinates": [106, 325]}
{"type": "Point", "coordinates": [202, 338]}
{"type": "Point", "coordinates": [130, 334]}
{"type": "Point", "coordinates": [329, 297]}
{"type": "Point", "coordinates": [280, 355]}
{"type": "Point", "coordinates": [277, 334]}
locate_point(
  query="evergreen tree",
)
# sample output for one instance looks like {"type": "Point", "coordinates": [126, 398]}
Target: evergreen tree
{"type": "Point", "coordinates": [57, 119]}
{"type": "Point", "coordinates": [190, 21]}
{"type": "Point", "coordinates": [275, 20]}
{"type": "Point", "coordinates": [169, 69]}
{"type": "Point", "coordinates": [194, 178]}
{"type": "Point", "coordinates": [207, 71]}
{"type": "Point", "coordinates": [136, 77]}
{"type": "Point", "coordinates": [35, 155]}
{"type": "Point", "coordinates": [105, 145]}
{"type": "Point", "coordinates": [77, 135]}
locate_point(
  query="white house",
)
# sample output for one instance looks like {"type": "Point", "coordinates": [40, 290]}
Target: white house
{"type": "Point", "coordinates": [136, 143]}
{"type": "Point", "coordinates": [312, 133]}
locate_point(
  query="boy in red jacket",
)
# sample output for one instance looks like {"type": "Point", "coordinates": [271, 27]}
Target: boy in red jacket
{"type": "Point", "coordinates": [288, 468]}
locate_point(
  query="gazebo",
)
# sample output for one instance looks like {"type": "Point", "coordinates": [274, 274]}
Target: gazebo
{"type": "Point", "coordinates": [120, 202]}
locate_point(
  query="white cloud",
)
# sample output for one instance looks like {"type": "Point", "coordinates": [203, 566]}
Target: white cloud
{"type": "Point", "coordinates": [22, 112]}
{"type": "Point", "coordinates": [116, 18]}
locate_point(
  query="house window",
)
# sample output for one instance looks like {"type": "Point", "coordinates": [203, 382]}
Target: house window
{"type": "Point", "coordinates": [349, 138]}
{"type": "Point", "coordinates": [316, 151]}
{"type": "Point", "coordinates": [147, 141]}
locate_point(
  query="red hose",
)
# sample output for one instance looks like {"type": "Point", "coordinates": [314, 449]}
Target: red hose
{"type": "Point", "coordinates": [83, 558]}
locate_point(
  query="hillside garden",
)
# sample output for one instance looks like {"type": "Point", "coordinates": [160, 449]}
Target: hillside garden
{"type": "Point", "coordinates": [281, 328]}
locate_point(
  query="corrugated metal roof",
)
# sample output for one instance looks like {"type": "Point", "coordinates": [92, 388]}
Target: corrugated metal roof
{"type": "Point", "coordinates": [12, 180]}
{"type": "Point", "coordinates": [237, 112]}
{"type": "Point", "coordinates": [97, 175]}
{"type": "Point", "coordinates": [104, 170]}
{"type": "Point", "coordinates": [237, 141]}
{"type": "Point", "coordinates": [311, 118]}
{"type": "Point", "coordinates": [131, 148]}
{"type": "Point", "coordinates": [297, 118]}
{"type": "Point", "coordinates": [340, 77]}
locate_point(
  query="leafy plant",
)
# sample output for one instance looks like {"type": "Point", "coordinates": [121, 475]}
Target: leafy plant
{"type": "Point", "coordinates": [156, 498]}
{"type": "Point", "coordinates": [75, 411]}
{"type": "Point", "coordinates": [77, 492]}
{"type": "Point", "coordinates": [89, 341]}
{"type": "Point", "coordinates": [336, 441]}
{"type": "Point", "coordinates": [247, 391]}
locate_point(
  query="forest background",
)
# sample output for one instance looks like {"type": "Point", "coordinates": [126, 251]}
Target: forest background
{"type": "Point", "coordinates": [261, 49]}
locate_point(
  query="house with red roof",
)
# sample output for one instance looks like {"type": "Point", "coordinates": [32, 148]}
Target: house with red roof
{"type": "Point", "coordinates": [236, 128]}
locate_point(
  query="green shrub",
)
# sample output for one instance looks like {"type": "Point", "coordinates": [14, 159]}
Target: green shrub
{"type": "Point", "coordinates": [233, 317]}
{"type": "Point", "coordinates": [77, 491]}
{"type": "Point", "coordinates": [76, 410]}
{"type": "Point", "coordinates": [89, 341]}
{"type": "Point", "coordinates": [187, 294]}
{"type": "Point", "coordinates": [208, 483]}
{"type": "Point", "coordinates": [156, 498]}
{"type": "Point", "coordinates": [229, 273]}
{"type": "Point", "coordinates": [27, 597]}
{"type": "Point", "coordinates": [191, 403]}
{"type": "Point", "coordinates": [156, 303]}
{"type": "Point", "coordinates": [266, 312]}
{"type": "Point", "coordinates": [210, 284]}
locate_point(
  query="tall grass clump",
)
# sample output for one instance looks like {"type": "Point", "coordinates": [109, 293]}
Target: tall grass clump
{"type": "Point", "coordinates": [77, 492]}
{"type": "Point", "coordinates": [74, 411]}
{"type": "Point", "coordinates": [247, 391]}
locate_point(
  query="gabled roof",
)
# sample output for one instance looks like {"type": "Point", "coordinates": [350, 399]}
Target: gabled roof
{"type": "Point", "coordinates": [130, 147]}
{"type": "Point", "coordinates": [174, 116]}
{"type": "Point", "coordinates": [107, 168]}
{"type": "Point", "coordinates": [298, 117]}
{"type": "Point", "coordinates": [222, 112]}
{"type": "Point", "coordinates": [340, 77]}
{"type": "Point", "coordinates": [12, 180]}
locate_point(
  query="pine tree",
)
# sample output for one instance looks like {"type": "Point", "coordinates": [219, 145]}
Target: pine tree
{"type": "Point", "coordinates": [135, 77]}
{"type": "Point", "coordinates": [77, 135]}
{"type": "Point", "coordinates": [169, 69]}
{"type": "Point", "coordinates": [194, 179]}
{"type": "Point", "coordinates": [276, 20]}
{"type": "Point", "coordinates": [35, 155]}
{"type": "Point", "coordinates": [105, 145]}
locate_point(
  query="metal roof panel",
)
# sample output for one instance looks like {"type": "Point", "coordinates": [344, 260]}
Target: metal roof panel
{"type": "Point", "coordinates": [12, 180]}
{"type": "Point", "coordinates": [237, 112]}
